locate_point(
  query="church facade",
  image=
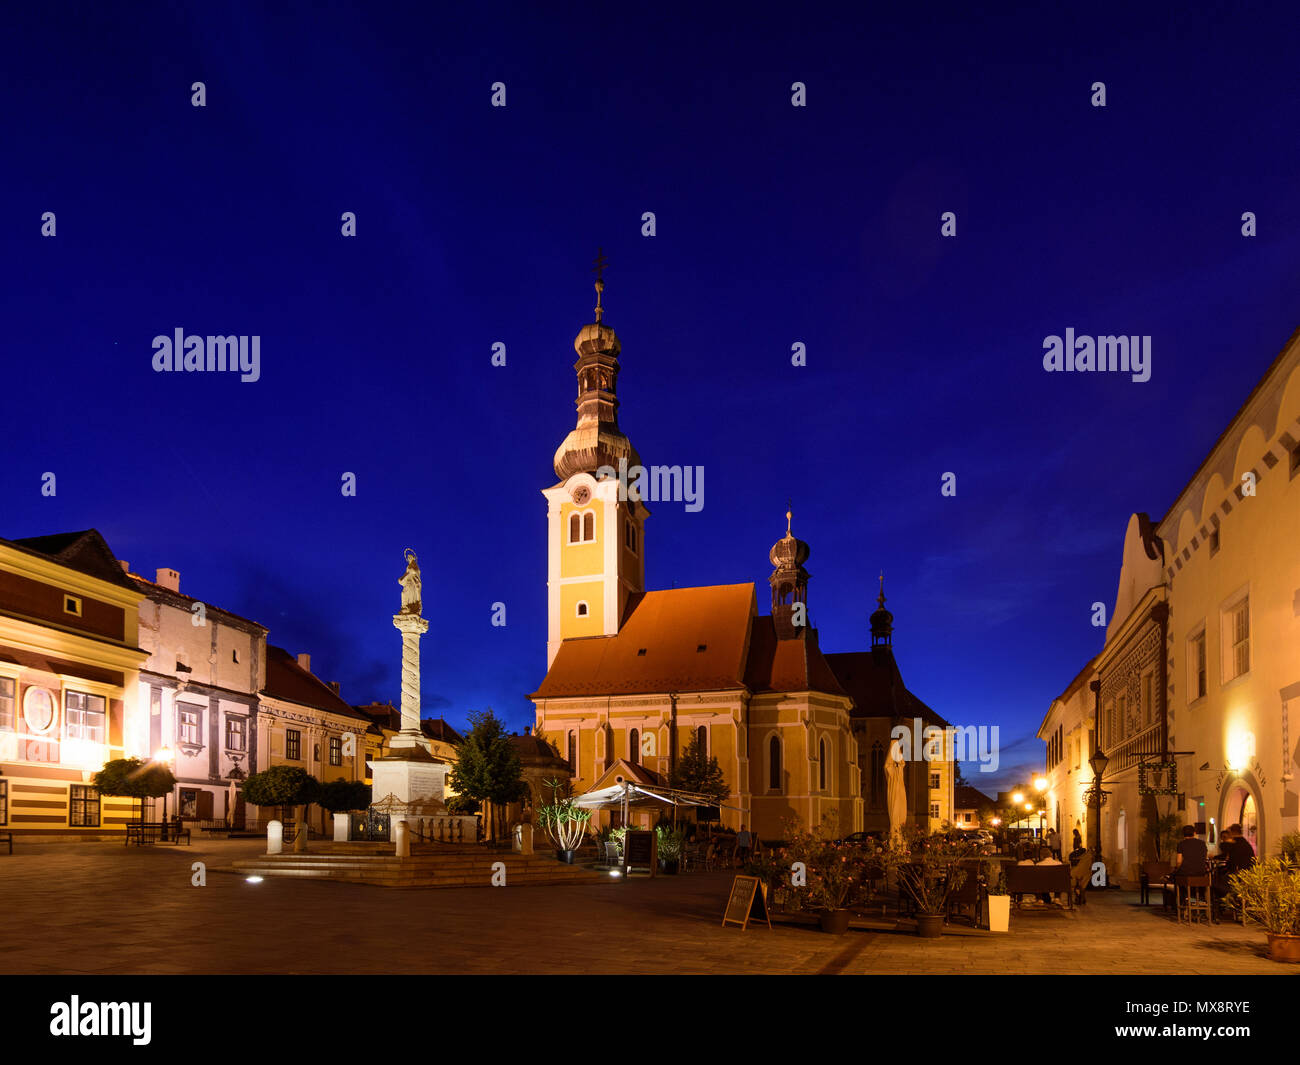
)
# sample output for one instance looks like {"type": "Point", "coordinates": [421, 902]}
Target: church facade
{"type": "Point", "coordinates": [633, 673]}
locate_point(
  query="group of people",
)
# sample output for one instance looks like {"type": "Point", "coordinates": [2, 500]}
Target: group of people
{"type": "Point", "coordinates": [1193, 858]}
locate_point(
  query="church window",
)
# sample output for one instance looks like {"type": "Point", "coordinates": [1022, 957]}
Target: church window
{"type": "Point", "coordinates": [582, 609]}
{"type": "Point", "coordinates": [634, 746]}
{"type": "Point", "coordinates": [630, 537]}
{"type": "Point", "coordinates": [774, 764]}
{"type": "Point", "coordinates": [702, 734]}
{"type": "Point", "coordinates": [877, 774]}
{"type": "Point", "coordinates": [582, 527]}
{"type": "Point", "coordinates": [821, 764]}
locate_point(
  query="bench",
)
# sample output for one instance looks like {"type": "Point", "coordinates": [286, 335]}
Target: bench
{"type": "Point", "coordinates": [141, 833]}
{"type": "Point", "coordinates": [1040, 880]}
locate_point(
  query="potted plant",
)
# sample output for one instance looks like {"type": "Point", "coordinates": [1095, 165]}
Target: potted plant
{"type": "Point", "coordinates": [1269, 892]}
{"type": "Point", "coordinates": [564, 823]}
{"type": "Point", "coordinates": [1289, 847]}
{"type": "Point", "coordinates": [669, 847]}
{"type": "Point", "coordinates": [928, 871]}
{"type": "Point", "coordinates": [997, 899]}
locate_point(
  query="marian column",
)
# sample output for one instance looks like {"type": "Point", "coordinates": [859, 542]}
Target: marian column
{"type": "Point", "coordinates": [409, 781]}
{"type": "Point", "coordinates": [412, 626]}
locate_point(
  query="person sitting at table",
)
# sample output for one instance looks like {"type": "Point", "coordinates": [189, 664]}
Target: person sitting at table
{"type": "Point", "coordinates": [1192, 859]}
{"type": "Point", "coordinates": [1240, 854]}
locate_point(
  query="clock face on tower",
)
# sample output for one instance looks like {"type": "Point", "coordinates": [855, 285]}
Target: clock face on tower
{"type": "Point", "coordinates": [581, 494]}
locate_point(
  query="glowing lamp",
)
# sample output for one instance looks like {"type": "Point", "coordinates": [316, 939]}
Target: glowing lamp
{"type": "Point", "coordinates": [1018, 797]}
{"type": "Point", "coordinates": [1041, 783]}
{"type": "Point", "coordinates": [1241, 746]}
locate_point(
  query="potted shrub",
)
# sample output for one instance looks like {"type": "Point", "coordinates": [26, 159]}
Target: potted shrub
{"type": "Point", "coordinates": [834, 873]}
{"type": "Point", "coordinates": [997, 899]}
{"type": "Point", "coordinates": [565, 824]}
{"type": "Point", "coordinates": [1269, 892]}
{"type": "Point", "coordinates": [1289, 847]}
{"type": "Point", "coordinates": [669, 847]}
{"type": "Point", "coordinates": [928, 872]}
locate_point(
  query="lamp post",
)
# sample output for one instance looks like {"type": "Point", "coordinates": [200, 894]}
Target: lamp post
{"type": "Point", "coordinates": [1099, 762]}
{"type": "Point", "coordinates": [1040, 785]}
{"type": "Point", "coordinates": [165, 757]}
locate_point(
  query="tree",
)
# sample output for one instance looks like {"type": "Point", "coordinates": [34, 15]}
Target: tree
{"type": "Point", "coordinates": [340, 796]}
{"type": "Point", "coordinates": [959, 778]}
{"type": "Point", "coordinates": [487, 766]}
{"type": "Point", "coordinates": [282, 786]}
{"type": "Point", "coordinates": [698, 772]}
{"type": "Point", "coordinates": [134, 778]}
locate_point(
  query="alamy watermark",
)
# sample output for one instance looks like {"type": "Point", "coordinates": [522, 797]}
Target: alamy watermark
{"type": "Point", "coordinates": [956, 743]}
{"type": "Point", "coordinates": [1130, 354]}
{"type": "Point", "coordinates": [658, 484]}
{"type": "Point", "coordinates": [242, 355]}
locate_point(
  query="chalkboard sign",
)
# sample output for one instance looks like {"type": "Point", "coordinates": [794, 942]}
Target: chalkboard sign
{"type": "Point", "coordinates": [640, 849]}
{"type": "Point", "coordinates": [748, 902]}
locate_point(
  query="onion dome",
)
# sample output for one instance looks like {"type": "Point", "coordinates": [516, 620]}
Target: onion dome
{"type": "Point", "coordinates": [789, 551]}
{"type": "Point", "coordinates": [789, 581]}
{"type": "Point", "coordinates": [596, 441]}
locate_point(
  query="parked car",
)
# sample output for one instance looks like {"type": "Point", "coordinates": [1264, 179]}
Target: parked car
{"type": "Point", "coordinates": [862, 839]}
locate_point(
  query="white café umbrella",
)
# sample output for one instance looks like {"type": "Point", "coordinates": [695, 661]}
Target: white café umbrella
{"type": "Point", "coordinates": [897, 791]}
{"type": "Point", "coordinates": [231, 798]}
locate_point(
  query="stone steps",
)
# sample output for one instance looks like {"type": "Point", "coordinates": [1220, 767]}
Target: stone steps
{"type": "Point", "coordinates": [470, 867]}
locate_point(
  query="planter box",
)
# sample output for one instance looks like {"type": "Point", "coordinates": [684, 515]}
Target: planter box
{"type": "Point", "coordinates": [999, 910]}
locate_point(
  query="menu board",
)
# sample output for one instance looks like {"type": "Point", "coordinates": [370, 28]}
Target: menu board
{"type": "Point", "coordinates": [639, 850]}
{"type": "Point", "coordinates": [747, 902]}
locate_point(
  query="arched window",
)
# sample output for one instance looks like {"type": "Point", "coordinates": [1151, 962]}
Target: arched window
{"type": "Point", "coordinates": [631, 537]}
{"type": "Point", "coordinates": [702, 734]}
{"type": "Point", "coordinates": [582, 609]}
{"type": "Point", "coordinates": [774, 764]}
{"type": "Point", "coordinates": [588, 527]}
{"type": "Point", "coordinates": [634, 746]}
{"type": "Point", "coordinates": [821, 765]}
{"type": "Point", "coordinates": [573, 752]}
{"type": "Point", "coordinates": [575, 528]}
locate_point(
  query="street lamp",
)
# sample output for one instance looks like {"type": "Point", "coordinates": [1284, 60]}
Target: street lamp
{"type": "Point", "coordinates": [1099, 762]}
{"type": "Point", "coordinates": [164, 756]}
{"type": "Point", "coordinates": [1041, 784]}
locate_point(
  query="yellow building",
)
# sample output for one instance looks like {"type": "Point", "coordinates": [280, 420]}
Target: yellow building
{"type": "Point", "coordinates": [1200, 666]}
{"type": "Point", "coordinates": [69, 674]}
{"type": "Point", "coordinates": [632, 674]}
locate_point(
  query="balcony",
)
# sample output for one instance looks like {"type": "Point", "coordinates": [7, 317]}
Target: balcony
{"type": "Point", "coordinates": [1137, 748]}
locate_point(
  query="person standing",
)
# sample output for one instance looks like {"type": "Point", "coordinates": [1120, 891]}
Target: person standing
{"type": "Point", "coordinates": [1078, 841]}
{"type": "Point", "coordinates": [1054, 842]}
{"type": "Point", "coordinates": [744, 842]}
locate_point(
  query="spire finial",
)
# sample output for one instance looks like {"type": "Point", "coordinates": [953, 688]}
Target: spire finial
{"type": "Point", "coordinates": [599, 270]}
{"type": "Point", "coordinates": [789, 513]}
{"type": "Point", "coordinates": [881, 598]}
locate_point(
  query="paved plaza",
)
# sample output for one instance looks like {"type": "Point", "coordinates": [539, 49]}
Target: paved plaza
{"type": "Point", "coordinates": [100, 908]}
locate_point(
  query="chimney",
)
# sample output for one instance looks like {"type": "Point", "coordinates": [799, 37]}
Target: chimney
{"type": "Point", "coordinates": [528, 729]}
{"type": "Point", "coordinates": [169, 579]}
{"type": "Point", "coordinates": [126, 566]}
{"type": "Point", "coordinates": [334, 687]}
{"type": "Point", "coordinates": [304, 660]}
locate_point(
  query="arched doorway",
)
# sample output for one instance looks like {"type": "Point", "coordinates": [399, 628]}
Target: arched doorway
{"type": "Point", "coordinates": [1240, 806]}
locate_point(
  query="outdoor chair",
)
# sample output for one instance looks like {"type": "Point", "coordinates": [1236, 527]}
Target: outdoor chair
{"type": "Point", "coordinates": [1191, 905]}
{"type": "Point", "coordinates": [1152, 873]}
{"type": "Point", "coordinates": [612, 855]}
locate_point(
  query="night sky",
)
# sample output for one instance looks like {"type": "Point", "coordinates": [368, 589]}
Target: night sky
{"type": "Point", "coordinates": [775, 225]}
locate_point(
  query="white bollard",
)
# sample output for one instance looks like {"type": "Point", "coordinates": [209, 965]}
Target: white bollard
{"type": "Point", "coordinates": [401, 833]}
{"type": "Point", "coordinates": [526, 838]}
{"type": "Point", "coordinates": [274, 837]}
{"type": "Point", "coordinates": [341, 828]}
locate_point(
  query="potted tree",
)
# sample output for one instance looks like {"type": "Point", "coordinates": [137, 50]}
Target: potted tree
{"type": "Point", "coordinates": [997, 899]}
{"type": "Point", "coordinates": [130, 777]}
{"type": "Point", "coordinates": [1269, 892]}
{"type": "Point", "coordinates": [287, 787]}
{"type": "Point", "coordinates": [563, 822]}
{"type": "Point", "coordinates": [928, 871]}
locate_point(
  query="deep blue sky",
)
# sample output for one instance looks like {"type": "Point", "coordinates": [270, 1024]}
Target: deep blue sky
{"type": "Point", "coordinates": [775, 225]}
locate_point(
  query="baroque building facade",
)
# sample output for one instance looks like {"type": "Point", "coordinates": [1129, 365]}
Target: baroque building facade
{"type": "Point", "coordinates": [633, 674]}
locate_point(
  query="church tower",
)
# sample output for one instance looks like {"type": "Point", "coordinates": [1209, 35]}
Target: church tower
{"type": "Point", "coordinates": [595, 549]}
{"type": "Point", "coordinates": [789, 581]}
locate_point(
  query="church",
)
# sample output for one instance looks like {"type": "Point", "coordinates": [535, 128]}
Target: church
{"type": "Point", "coordinates": [632, 673]}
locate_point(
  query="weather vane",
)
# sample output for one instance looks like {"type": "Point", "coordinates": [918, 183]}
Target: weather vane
{"type": "Point", "coordinates": [599, 270]}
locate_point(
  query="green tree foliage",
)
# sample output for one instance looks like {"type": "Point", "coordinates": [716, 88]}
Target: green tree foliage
{"type": "Point", "coordinates": [339, 796]}
{"type": "Point", "coordinates": [463, 804]}
{"type": "Point", "coordinates": [134, 778]}
{"type": "Point", "coordinates": [281, 785]}
{"type": "Point", "coordinates": [487, 766]}
{"type": "Point", "coordinates": [695, 771]}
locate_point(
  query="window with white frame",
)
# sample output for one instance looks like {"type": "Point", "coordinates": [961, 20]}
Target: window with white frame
{"type": "Point", "coordinates": [934, 810]}
{"type": "Point", "coordinates": [582, 610]}
{"type": "Point", "coordinates": [934, 781]}
{"type": "Point", "coordinates": [336, 750]}
{"type": "Point", "coordinates": [83, 806]}
{"type": "Point", "coordinates": [236, 733]}
{"type": "Point", "coordinates": [582, 527]}
{"type": "Point", "coordinates": [7, 702]}
{"type": "Point", "coordinates": [189, 725]}
{"type": "Point", "coordinates": [84, 717]}
{"type": "Point", "coordinates": [1236, 639]}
